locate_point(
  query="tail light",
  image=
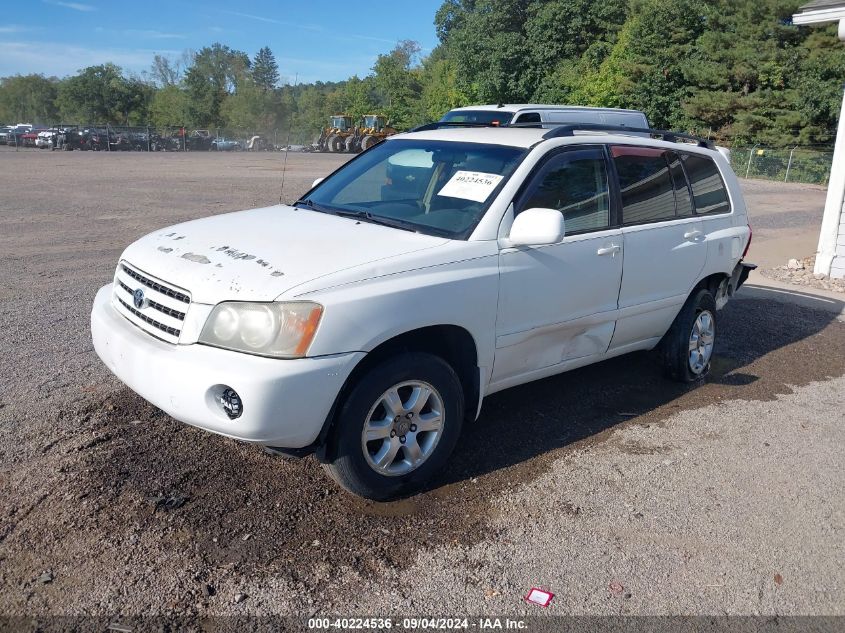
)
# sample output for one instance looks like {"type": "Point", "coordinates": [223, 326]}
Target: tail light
{"type": "Point", "coordinates": [748, 244]}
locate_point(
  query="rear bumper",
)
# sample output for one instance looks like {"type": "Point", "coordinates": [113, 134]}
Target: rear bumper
{"type": "Point", "coordinates": [740, 274]}
{"type": "Point", "coordinates": [285, 402]}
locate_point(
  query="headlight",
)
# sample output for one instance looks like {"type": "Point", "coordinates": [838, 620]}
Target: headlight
{"type": "Point", "coordinates": [282, 330]}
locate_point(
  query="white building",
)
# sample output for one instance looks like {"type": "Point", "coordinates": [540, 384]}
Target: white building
{"type": "Point", "coordinates": [830, 257]}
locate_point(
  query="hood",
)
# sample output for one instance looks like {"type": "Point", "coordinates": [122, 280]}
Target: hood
{"type": "Point", "coordinates": [258, 255]}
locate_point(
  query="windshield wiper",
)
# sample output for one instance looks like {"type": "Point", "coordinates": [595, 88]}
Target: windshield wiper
{"type": "Point", "coordinates": [366, 216]}
{"type": "Point", "coordinates": [308, 202]}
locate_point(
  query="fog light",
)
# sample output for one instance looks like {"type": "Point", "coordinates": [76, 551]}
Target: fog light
{"type": "Point", "coordinates": [231, 403]}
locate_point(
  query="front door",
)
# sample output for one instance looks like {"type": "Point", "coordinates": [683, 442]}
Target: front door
{"type": "Point", "coordinates": [558, 302]}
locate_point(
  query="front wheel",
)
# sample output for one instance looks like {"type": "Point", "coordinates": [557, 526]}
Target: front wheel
{"type": "Point", "coordinates": [397, 428]}
{"type": "Point", "coordinates": [688, 345]}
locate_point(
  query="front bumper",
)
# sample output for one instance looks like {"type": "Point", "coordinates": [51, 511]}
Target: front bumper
{"type": "Point", "coordinates": [285, 402]}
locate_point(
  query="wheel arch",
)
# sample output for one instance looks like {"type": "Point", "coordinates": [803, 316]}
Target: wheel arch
{"type": "Point", "coordinates": [719, 285]}
{"type": "Point", "coordinates": [710, 282]}
{"type": "Point", "coordinates": [453, 343]}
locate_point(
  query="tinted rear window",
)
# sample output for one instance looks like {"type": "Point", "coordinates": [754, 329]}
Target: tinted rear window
{"type": "Point", "coordinates": [481, 117]}
{"type": "Point", "coordinates": [648, 193]}
{"type": "Point", "coordinates": [708, 188]}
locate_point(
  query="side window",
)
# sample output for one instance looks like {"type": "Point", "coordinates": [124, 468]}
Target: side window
{"type": "Point", "coordinates": [648, 193]}
{"type": "Point", "coordinates": [683, 199]}
{"type": "Point", "coordinates": [575, 183]}
{"type": "Point", "coordinates": [708, 188]}
{"type": "Point", "coordinates": [528, 117]}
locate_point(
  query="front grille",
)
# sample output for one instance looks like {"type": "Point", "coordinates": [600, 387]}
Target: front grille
{"type": "Point", "coordinates": [163, 309]}
{"type": "Point", "coordinates": [149, 320]}
{"type": "Point", "coordinates": [168, 311]}
{"type": "Point", "coordinates": [169, 292]}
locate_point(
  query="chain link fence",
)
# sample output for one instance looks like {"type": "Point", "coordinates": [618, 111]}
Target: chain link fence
{"type": "Point", "coordinates": [807, 164]}
{"type": "Point", "coordinates": [787, 164]}
{"type": "Point", "coordinates": [121, 138]}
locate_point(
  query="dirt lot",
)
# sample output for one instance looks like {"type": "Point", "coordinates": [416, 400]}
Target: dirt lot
{"type": "Point", "coordinates": [620, 492]}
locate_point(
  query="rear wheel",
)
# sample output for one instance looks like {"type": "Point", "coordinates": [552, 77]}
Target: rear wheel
{"type": "Point", "coordinates": [688, 345]}
{"type": "Point", "coordinates": [397, 428]}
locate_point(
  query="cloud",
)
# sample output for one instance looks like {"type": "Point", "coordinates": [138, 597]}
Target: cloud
{"type": "Point", "coordinates": [261, 18]}
{"type": "Point", "coordinates": [51, 58]}
{"type": "Point", "coordinates": [76, 6]}
{"type": "Point", "coordinates": [341, 37]}
{"type": "Point", "coordinates": [152, 34]}
{"type": "Point", "coordinates": [13, 28]}
{"type": "Point", "coordinates": [310, 70]}
{"type": "Point", "coordinates": [374, 39]}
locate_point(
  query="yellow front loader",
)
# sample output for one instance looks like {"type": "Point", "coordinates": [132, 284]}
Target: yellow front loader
{"type": "Point", "coordinates": [374, 129]}
{"type": "Point", "coordinates": [333, 137]}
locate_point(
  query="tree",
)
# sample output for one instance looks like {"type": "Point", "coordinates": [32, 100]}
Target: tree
{"type": "Point", "coordinates": [214, 74]}
{"type": "Point", "coordinates": [169, 107]}
{"type": "Point", "coordinates": [645, 68]}
{"type": "Point", "coordinates": [440, 87]}
{"type": "Point", "coordinates": [397, 81]}
{"type": "Point", "coordinates": [169, 71]}
{"type": "Point", "coordinates": [487, 41]}
{"type": "Point", "coordinates": [102, 94]}
{"type": "Point", "coordinates": [265, 70]}
{"type": "Point", "coordinates": [252, 109]}
{"type": "Point", "coordinates": [28, 98]}
{"type": "Point", "coordinates": [565, 40]}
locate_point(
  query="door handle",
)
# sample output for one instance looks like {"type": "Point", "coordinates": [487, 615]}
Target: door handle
{"type": "Point", "coordinates": [693, 235]}
{"type": "Point", "coordinates": [609, 250]}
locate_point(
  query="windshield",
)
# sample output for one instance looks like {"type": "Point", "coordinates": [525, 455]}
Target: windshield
{"type": "Point", "coordinates": [339, 122]}
{"type": "Point", "coordinates": [433, 187]}
{"type": "Point", "coordinates": [485, 117]}
{"type": "Point", "coordinates": [372, 121]}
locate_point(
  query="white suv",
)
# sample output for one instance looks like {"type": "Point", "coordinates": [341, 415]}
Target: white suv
{"type": "Point", "coordinates": [521, 114]}
{"type": "Point", "coordinates": [367, 322]}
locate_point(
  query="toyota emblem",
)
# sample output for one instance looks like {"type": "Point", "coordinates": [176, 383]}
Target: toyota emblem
{"type": "Point", "coordinates": [138, 298]}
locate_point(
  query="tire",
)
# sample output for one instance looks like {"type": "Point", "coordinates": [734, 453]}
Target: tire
{"type": "Point", "coordinates": [352, 461]}
{"type": "Point", "coordinates": [694, 325]}
{"type": "Point", "coordinates": [331, 143]}
{"type": "Point", "coordinates": [349, 146]}
{"type": "Point", "coordinates": [367, 142]}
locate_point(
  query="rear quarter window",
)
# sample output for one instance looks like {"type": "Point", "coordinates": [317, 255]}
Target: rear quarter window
{"type": "Point", "coordinates": [708, 189]}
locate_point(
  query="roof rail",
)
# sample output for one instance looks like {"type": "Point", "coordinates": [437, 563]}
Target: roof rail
{"type": "Point", "coordinates": [436, 125]}
{"type": "Point", "coordinates": [569, 129]}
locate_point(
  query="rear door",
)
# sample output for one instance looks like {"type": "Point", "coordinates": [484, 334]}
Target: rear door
{"type": "Point", "coordinates": [665, 248]}
{"type": "Point", "coordinates": [558, 302]}
{"type": "Point", "coordinates": [725, 240]}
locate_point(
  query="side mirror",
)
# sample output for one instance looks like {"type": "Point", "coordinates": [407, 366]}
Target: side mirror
{"type": "Point", "coordinates": [317, 182]}
{"type": "Point", "coordinates": [537, 227]}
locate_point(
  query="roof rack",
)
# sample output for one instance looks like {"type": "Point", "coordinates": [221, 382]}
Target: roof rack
{"type": "Point", "coordinates": [436, 125]}
{"type": "Point", "coordinates": [667, 135]}
{"type": "Point", "coordinates": [569, 129]}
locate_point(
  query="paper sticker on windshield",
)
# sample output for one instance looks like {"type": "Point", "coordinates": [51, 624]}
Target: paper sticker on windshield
{"type": "Point", "coordinates": [471, 185]}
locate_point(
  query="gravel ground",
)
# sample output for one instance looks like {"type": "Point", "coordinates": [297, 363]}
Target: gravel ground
{"type": "Point", "coordinates": [801, 274]}
{"type": "Point", "coordinates": [619, 491]}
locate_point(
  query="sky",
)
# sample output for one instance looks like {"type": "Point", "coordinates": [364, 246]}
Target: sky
{"type": "Point", "coordinates": [326, 40]}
